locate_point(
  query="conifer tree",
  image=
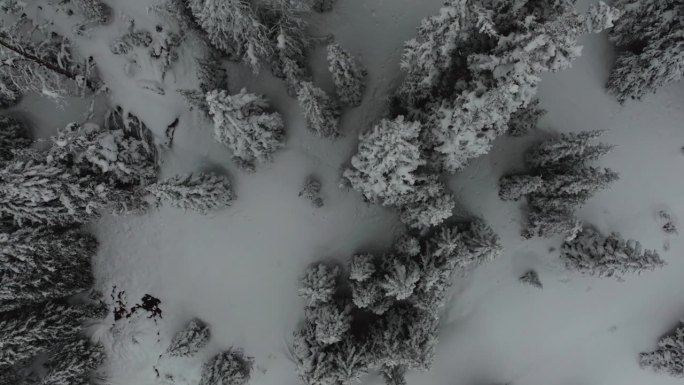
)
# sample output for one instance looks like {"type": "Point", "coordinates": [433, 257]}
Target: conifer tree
{"type": "Point", "coordinates": [531, 278]}
{"type": "Point", "coordinates": [187, 342]}
{"type": "Point", "coordinates": [243, 123]}
{"type": "Point", "coordinates": [41, 263]}
{"type": "Point", "coordinates": [348, 75]}
{"type": "Point", "coordinates": [200, 192]}
{"type": "Point", "coordinates": [233, 27]}
{"type": "Point", "coordinates": [9, 93]}
{"type": "Point", "coordinates": [321, 113]}
{"type": "Point", "coordinates": [669, 356]}
{"type": "Point", "coordinates": [649, 48]}
{"type": "Point", "coordinates": [28, 331]}
{"type": "Point", "coordinates": [559, 180]}
{"type": "Point", "coordinates": [43, 62]}
{"type": "Point", "coordinates": [231, 367]}
{"type": "Point", "coordinates": [73, 363]}
{"type": "Point", "coordinates": [318, 284]}
{"type": "Point", "coordinates": [13, 136]}
{"type": "Point", "coordinates": [94, 10]}
{"type": "Point", "coordinates": [525, 119]}
{"type": "Point", "coordinates": [593, 254]}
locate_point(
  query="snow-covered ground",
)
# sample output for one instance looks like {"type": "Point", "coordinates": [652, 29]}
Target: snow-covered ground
{"type": "Point", "coordinates": [238, 269]}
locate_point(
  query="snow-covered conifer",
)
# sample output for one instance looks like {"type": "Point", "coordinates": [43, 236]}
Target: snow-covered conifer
{"type": "Point", "coordinates": [361, 267]}
{"type": "Point", "coordinates": [385, 167]}
{"type": "Point", "coordinates": [514, 187]}
{"type": "Point", "coordinates": [559, 180]}
{"type": "Point", "coordinates": [31, 330]}
{"type": "Point", "coordinates": [348, 75]}
{"type": "Point", "coordinates": [200, 192]}
{"type": "Point", "coordinates": [73, 363]}
{"type": "Point", "coordinates": [330, 321]}
{"type": "Point", "coordinates": [231, 367]}
{"type": "Point", "coordinates": [45, 65]}
{"type": "Point", "coordinates": [531, 278]}
{"type": "Point", "coordinates": [429, 205]}
{"type": "Point", "coordinates": [471, 69]}
{"type": "Point", "coordinates": [41, 263]}
{"type": "Point", "coordinates": [649, 48]}
{"type": "Point", "coordinates": [593, 254]}
{"type": "Point", "coordinates": [311, 191]}
{"type": "Point", "coordinates": [243, 123]}
{"type": "Point", "coordinates": [525, 119]}
{"type": "Point", "coordinates": [94, 10]}
{"type": "Point", "coordinates": [190, 340]}
{"type": "Point", "coordinates": [319, 284]}
{"type": "Point", "coordinates": [9, 93]}
{"type": "Point", "coordinates": [233, 27]}
{"type": "Point", "coordinates": [400, 278]}
{"type": "Point", "coordinates": [13, 136]}
{"type": "Point", "coordinates": [321, 113]}
{"type": "Point", "coordinates": [669, 357]}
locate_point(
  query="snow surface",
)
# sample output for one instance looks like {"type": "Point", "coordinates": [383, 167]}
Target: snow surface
{"type": "Point", "coordinates": [238, 269]}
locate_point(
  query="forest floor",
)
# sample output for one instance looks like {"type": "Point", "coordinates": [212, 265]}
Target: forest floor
{"type": "Point", "coordinates": [238, 269]}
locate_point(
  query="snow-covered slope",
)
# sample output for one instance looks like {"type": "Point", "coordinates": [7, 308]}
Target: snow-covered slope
{"type": "Point", "coordinates": [238, 269]}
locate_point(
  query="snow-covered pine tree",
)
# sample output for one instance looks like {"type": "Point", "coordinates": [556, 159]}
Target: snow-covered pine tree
{"type": "Point", "coordinates": [472, 67]}
{"type": "Point", "coordinates": [594, 254]}
{"type": "Point", "coordinates": [385, 168]}
{"type": "Point", "coordinates": [9, 93]}
{"type": "Point", "coordinates": [348, 75]}
{"type": "Point", "coordinates": [330, 321]}
{"type": "Point", "coordinates": [73, 363]}
{"type": "Point", "coordinates": [244, 124]}
{"type": "Point", "coordinates": [233, 27]}
{"type": "Point", "coordinates": [400, 277]}
{"type": "Point", "coordinates": [312, 190]}
{"type": "Point", "coordinates": [429, 205]}
{"type": "Point", "coordinates": [39, 264]}
{"type": "Point", "coordinates": [669, 356]}
{"type": "Point", "coordinates": [321, 113]}
{"type": "Point", "coordinates": [94, 10]}
{"type": "Point", "coordinates": [319, 284]}
{"type": "Point", "coordinates": [531, 278]}
{"type": "Point", "coordinates": [231, 367]}
{"type": "Point", "coordinates": [187, 342]}
{"type": "Point", "coordinates": [200, 192]}
{"type": "Point", "coordinates": [525, 119]}
{"type": "Point", "coordinates": [42, 61]}
{"type": "Point", "coordinates": [30, 330]}
{"type": "Point", "coordinates": [13, 136]}
{"type": "Point", "coordinates": [649, 47]}
{"type": "Point", "coordinates": [559, 180]}
{"type": "Point", "coordinates": [37, 192]}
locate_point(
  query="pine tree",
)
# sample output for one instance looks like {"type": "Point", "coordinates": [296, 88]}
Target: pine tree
{"type": "Point", "coordinates": [330, 321]}
{"type": "Point", "coordinates": [669, 357]}
{"type": "Point", "coordinates": [312, 190]}
{"type": "Point", "coordinates": [233, 27]}
{"type": "Point", "coordinates": [73, 362]}
{"type": "Point", "coordinates": [200, 192]}
{"type": "Point", "coordinates": [386, 165]}
{"type": "Point", "coordinates": [231, 367]}
{"type": "Point", "coordinates": [525, 119]}
{"type": "Point", "coordinates": [559, 180]}
{"type": "Point", "coordinates": [321, 113]}
{"type": "Point", "coordinates": [400, 278]}
{"type": "Point", "coordinates": [471, 68]}
{"type": "Point", "coordinates": [187, 342]}
{"type": "Point", "coordinates": [649, 49]}
{"type": "Point", "coordinates": [531, 278]}
{"type": "Point", "coordinates": [319, 284]}
{"type": "Point", "coordinates": [31, 330]}
{"type": "Point", "coordinates": [243, 124]}
{"type": "Point", "coordinates": [429, 205]}
{"type": "Point", "coordinates": [9, 93]}
{"type": "Point", "coordinates": [13, 136]}
{"type": "Point", "coordinates": [94, 10]}
{"type": "Point", "coordinates": [593, 254]}
{"type": "Point", "coordinates": [32, 192]}
{"type": "Point", "coordinates": [40, 264]}
{"type": "Point", "coordinates": [348, 75]}
{"type": "Point", "coordinates": [43, 62]}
